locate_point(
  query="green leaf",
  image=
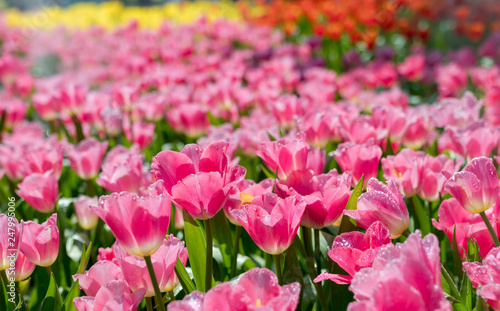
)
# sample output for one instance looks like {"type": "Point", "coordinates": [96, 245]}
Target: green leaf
{"type": "Point", "coordinates": [267, 172]}
{"type": "Point", "coordinates": [223, 240]}
{"type": "Point", "coordinates": [52, 300]}
{"type": "Point", "coordinates": [421, 215]}
{"type": "Point", "coordinates": [352, 204]}
{"type": "Point", "coordinates": [184, 278]}
{"type": "Point", "coordinates": [456, 256]}
{"type": "Point", "coordinates": [197, 249]}
{"type": "Point", "coordinates": [75, 288]}
{"type": "Point", "coordinates": [4, 298]}
{"type": "Point", "coordinates": [291, 271]}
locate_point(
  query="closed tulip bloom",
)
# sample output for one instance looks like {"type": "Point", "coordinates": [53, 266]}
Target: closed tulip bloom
{"type": "Point", "coordinates": [403, 277]}
{"type": "Point", "coordinates": [114, 295]}
{"type": "Point", "coordinates": [454, 218]}
{"type": "Point", "coordinates": [99, 274]}
{"type": "Point", "coordinates": [382, 203]}
{"type": "Point", "coordinates": [164, 259]}
{"type": "Point", "coordinates": [40, 243]}
{"type": "Point", "coordinates": [485, 276]}
{"type": "Point", "coordinates": [86, 157]}
{"type": "Point", "coordinates": [84, 215]}
{"type": "Point", "coordinates": [23, 268]}
{"type": "Point", "coordinates": [198, 180]}
{"type": "Point", "coordinates": [406, 169]}
{"type": "Point", "coordinates": [433, 179]}
{"type": "Point", "coordinates": [476, 186]}
{"type": "Point", "coordinates": [40, 191]}
{"type": "Point", "coordinates": [10, 232]}
{"type": "Point", "coordinates": [326, 195]}
{"type": "Point", "coordinates": [126, 213]}
{"type": "Point", "coordinates": [359, 160]}
{"type": "Point", "coordinates": [271, 222]}
{"type": "Point", "coordinates": [256, 289]}
{"type": "Point", "coordinates": [355, 250]}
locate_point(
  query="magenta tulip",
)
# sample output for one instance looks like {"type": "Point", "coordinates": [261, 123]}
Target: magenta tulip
{"type": "Point", "coordinates": [271, 222]}
{"type": "Point", "coordinates": [122, 173]}
{"type": "Point", "coordinates": [126, 213]}
{"type": "Point", "coordinates": [382, 203]}
{"type": "Point", "coordinates": [353, 251]}
{"type": "Point", "coordinates": [485, 277]}
{"type": "Point", "coordinates": [40, 243]}
{"type": "Point", "coordinates": [406, 169]}
{"type": "Point", "coordinates": [99, 274]}
{"type": "Point", "coordinates": [114, 295]}
{"type": "Point", "coordinates": [86, 157]}
{"type": "Point", "coordinates": [359, 160]}
{"type": "Point", "coordinates": [403, 277]}
{"type": "Point", "coordinates": [40, 191]}
{"type": "Point", "coordinates": [476, 186]}
{"type": "Point", "coordinates": [164, 259]}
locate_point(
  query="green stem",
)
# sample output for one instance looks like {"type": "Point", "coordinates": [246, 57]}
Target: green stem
{"type": "Point", "coordinates": [170, 295]}
{"type": "Point", "coordinates": [406, 233]}
{"type": "Point", "coordinates": [62, 244]}
{"type": "Point", "coordinates": [268, 260]}
{"type": "Point", "coordinates": [237, 237]}
{"type": "Point", "coordinates": [90, 188]}
{"type": "Point", "coordinates": [490, 229]}
{"type": "Point", "coordinates": [149, 304]}
{"type": "Point", "coordinates": [307, 238]}
{"type": "Point", "coordinates": [277, 267]}
{"type": "Point", "coordinates": [209, 262]}
{"type": "Point", "coordinates": [21, 297]}
{"type": "Point", "coordinates": [159, 299]}
{"type": "Point", "coordinates": [317, 249]}
{"type": "Point", "coordinates": [79, 130]}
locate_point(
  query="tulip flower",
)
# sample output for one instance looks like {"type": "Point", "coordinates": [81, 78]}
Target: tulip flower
{"type": "Point", "coordinates": [403, 277]}
{"type": "Point", "coordinates": [84, 215]}
{"type": "Point", "coordinates": [164, 260]}
{"type": "Point", "coordinates": [406, 169]}
{"type": "Point", "coordinates": [454, 218]}
{"type": "Point", "coordinates": [23, 268]}
{"type": "Point", "coordinates": [485, 277]}
{"type": "Point", "coordinates": [99, 274]}
{"type": "Point", "coordinates": [258, 288]}
{"type": "Point", "coordinates": [10, 236]}
{"type": "Point", "coordinates": [114, 295]}
{"type": "Point", "coordinates": [325, 195]}
{"type": "Point", "coordinates": [139, 132]}
{"type": "Point", "coordinates": [126, 213]}
{"type": "Point", "coordinates": [40, 191]}
{"type": "Point", "coordinates": [353, 251]}
{"type": "Point", "coordinates": [40, 243]}
{"type": "Point", "coordinates": [86, 157]}
{"type": "Point", "coordinates": [382, 203]}
{"type": "Point", "coordinates": [271, 222]}
{"type": "Point", "coordinates": [198, 181]}
{"type": "Point", "coordinates": [359, 160]}
{"type": "Point", "coordinates": [476, 186]}
{"type": "Point", "coordinates": [122, 174]}
{"type": "Point", "coordinates": [433, 179]}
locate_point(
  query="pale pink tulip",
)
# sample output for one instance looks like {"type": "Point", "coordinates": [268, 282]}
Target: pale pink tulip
{"type": "Point", "coordinates": [10, 237]}
{"type": "Point", "coordinates": [84, 215]}
{"type": "Point", "coordinates": [40, 243]}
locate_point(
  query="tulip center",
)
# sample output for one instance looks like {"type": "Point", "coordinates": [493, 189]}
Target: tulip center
{"type": "Point", "coordinates": [258, 303]}
{"type": "Point", "coordinates": [245, 198]}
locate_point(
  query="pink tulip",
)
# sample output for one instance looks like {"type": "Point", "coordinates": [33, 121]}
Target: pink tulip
{"type": "Point", "coordinates": [243, 193]}
{"type": "Point", "coordinates": [122, 173]}
{"type": "Point", "coordinates": [382, 203]}
{"type": "Point", "coordinates": [40, 191]}
{"type": "Point", "coordinates": [126, 213]}
{"type": "Point", "coordinates": [139, 132]}
{"type": "Point", "coordinates": [288, 156]}
{"type": "Point", "coordinates": [198, 181]}
{"type": "Point", "coordinates": [46, 106]}
{"type": "Point", "coordinates": [99, 274]}
{"type": "Point", "coordinates": [10, 236]}
{"type": "Point", "coordinates": [353, 251]}
{"type": "Point", "coordinates": [287, 108]}
{"type": "Point", "coordinates": [190, 119]}
{"type": "Point", "coordinates": [256, 289]}
{"type": "Point", "coordinates": [319, 128]}
{"type": "Point", "coordinates": [406, 169]}
{"type": "Point", "coordinates": [23, 268]}
{"type": "Point", "coordinates": [453, 217]}
{"type": "Point", "coordinates": [451, 79]}
{"type": "Point", "coordinates": [403, 277]}
{"type": "Point", "coordinates": [84, 215]}
{"type": "Point", "coordinates": [359, 160]}
{"type": "Point", "coordinates": [413, 67]}
{"type": "Point", "coordinates": [40, 243]}
{"type": "Point", "coordinates": [485, 277]}
{"type": "Point", "coordinates": [106, 254]}
{"type": "Point", "coordinates": [361, 130]}
{"type": "Point", "coordinates": [164, 260]}
{"type": "Point", "coordinates": [72, 98]}
{"type": "Point", "coordinates": [45, 156]}
{"type": "Point", "coordinates": [325, 195]}
{"type": "Point", "coordinates": [476, 186]}
{"type": "Point", "coordinates": [432, 179]}
{"type": "Point", "coordinates": [271, 222]}
{"type": "Point", "coordinates": [114, 295]}
{"type": "Point", "coordinates": [86, 158]}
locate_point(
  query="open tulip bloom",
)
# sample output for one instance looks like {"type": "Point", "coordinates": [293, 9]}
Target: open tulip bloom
{"type": "Point", "coordinates": [206, 156]}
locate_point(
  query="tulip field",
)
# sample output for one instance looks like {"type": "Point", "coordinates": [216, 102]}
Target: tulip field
{"type": "Point", "coordinates": [253, 155]}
